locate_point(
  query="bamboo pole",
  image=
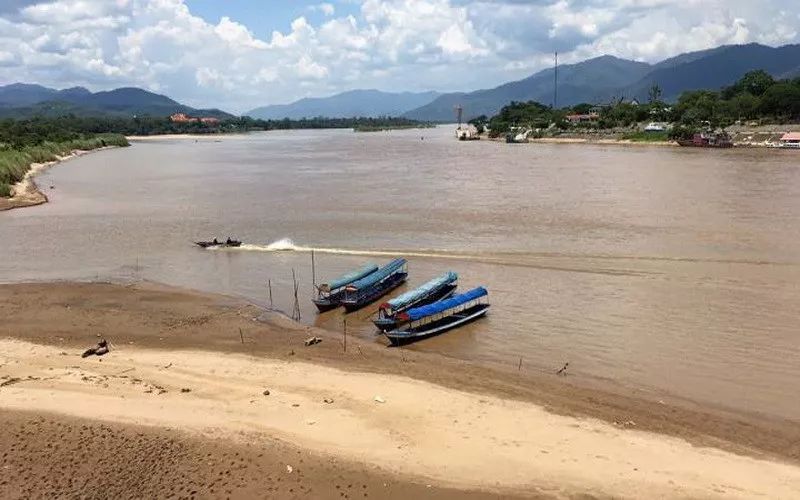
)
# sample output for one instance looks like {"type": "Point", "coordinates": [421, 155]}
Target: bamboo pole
{"type": "Point", "coordinates": [296, 309]}
{"type": "Point", "coordinates": [269, 285]}
{"type": "Point", "coordinates": [313, 271]}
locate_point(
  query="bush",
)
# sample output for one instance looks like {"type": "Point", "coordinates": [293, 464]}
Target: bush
{"type": "Point", "coordinates": [15, 162]}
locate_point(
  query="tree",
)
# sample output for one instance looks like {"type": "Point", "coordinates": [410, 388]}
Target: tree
{"type": "Point", "coordinates": [654, 93]}
{"type": "Point", "coordinates": [782, 100]}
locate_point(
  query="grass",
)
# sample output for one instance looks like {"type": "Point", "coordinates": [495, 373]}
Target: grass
{"type": "Point", "coordinates": [643, 136]}
{"type": "Point", "coordinates": [380, 128]}
{"type": "Point", "coordinates": [15, 163]}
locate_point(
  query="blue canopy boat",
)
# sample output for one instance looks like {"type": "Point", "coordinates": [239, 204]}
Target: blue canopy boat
{"type": "Point", "coordinates": [375, 285]}
{"type": "Point", "coordinates": [329, 295]}
{"type": "Point", "coordinates": [440, 316]}
{"type": "Point", "coordinates": [438, 288]}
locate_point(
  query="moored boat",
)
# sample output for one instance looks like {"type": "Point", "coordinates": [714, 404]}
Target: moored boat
{"type": "Point", "coordinates": [439, 317]}
{"type": "Point", "coordinates": [434, 290]}
{"type": "Point", "coordinates": [329, 295]}
{"type": "Point", "coordinates": [707, 140]}
{"type": "Point", "coordinates": [370, 288]}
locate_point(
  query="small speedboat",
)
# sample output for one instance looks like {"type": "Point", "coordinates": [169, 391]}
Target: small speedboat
{"type": "Point", "coordinates": [219, 244]}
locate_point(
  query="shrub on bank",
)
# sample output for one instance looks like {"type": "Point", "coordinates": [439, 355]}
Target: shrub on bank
{"type": "Point", "coordinates": [15, 163]}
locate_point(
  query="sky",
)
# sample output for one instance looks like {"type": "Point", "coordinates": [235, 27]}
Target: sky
{"type": "Point", "coordinates": [239, 54]}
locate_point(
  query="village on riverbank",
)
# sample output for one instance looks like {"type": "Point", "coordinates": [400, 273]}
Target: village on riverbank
{"type": "Point", "coordinates": [756, 111]}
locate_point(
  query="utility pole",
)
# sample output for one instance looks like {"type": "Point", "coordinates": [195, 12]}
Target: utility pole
{"type": "Point", "coordinates": [555, 85]}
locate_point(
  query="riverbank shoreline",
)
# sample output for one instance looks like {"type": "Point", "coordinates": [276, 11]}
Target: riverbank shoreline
{"type": "Point", "coordinates": [26, 193]}
{"type": "Point", "coordinates": [216, 137]}
{"type": "Point", "coordinates": [557, 435]}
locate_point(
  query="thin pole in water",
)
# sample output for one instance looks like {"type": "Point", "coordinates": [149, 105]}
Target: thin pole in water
{"type": "Point", "coordinates": [269, 285]}
{"type": "Point", "coordinates": [296, 309]}
{"type": "Point", "coordinates": [313, 271]}
{"type": "Point", "coordinates": [241, 336]}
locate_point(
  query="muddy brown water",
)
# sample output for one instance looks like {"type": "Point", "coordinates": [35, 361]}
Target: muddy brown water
{"type": "Point", "coordinates": [672, 270]}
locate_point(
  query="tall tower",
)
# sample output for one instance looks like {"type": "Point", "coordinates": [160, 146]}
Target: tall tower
{"type": "Point", "coordinates": [459, 113]}
{"type": "Point", "coordinates": [555, 84]}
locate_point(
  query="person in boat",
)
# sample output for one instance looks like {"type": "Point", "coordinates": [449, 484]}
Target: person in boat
{"type": "Point", "coordinates": [228, 241]}
{"type": "Point", "coordinates": [215, 242]}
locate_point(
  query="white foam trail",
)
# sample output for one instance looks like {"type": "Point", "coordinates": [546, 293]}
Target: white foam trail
{"type": "Point", "coordinates": [288, 245]}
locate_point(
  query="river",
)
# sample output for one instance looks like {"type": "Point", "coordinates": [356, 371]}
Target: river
{"type": "Point", "coordinates": [671, 270]}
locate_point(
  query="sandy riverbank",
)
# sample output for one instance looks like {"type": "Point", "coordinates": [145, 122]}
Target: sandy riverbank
{"type": "Point", "coordinates": [451, 424]}
{"type": "Point", "coordinates": [26, 193]}
{"type": "Point", "coordinates": [173, 137]}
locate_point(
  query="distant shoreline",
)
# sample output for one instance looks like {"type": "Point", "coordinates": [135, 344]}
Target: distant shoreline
{"type": "Point", "coordinates": [170, 137]}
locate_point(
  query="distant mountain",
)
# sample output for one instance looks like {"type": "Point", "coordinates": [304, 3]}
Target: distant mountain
{"type": "Point", "coordinates": [716, 68]}
{"type": "Point", "coordinates": [604, 78]}
{"type": "Point", "coordinates": [24, 100]}
{"type": "Point", "coordinates": [355, 103]}
{"type": "Point", "coordinates": [589, 81]}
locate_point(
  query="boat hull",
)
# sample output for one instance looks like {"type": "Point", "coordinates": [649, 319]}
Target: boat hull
{"type": "Point", "coordinates": [399, 337]}
{"type": "Point", "coordinates": [386, 324]}
{"type": "Point", "coordinates": [329, 302]}
{"type": "Point", "coordinates": [375, 292]}
{"type": "Point", "coordinates": [211, 244]}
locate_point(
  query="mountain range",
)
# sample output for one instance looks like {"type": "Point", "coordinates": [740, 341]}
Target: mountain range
{"type": "Point", "coordinates": [22, 100]}
{"type": "Point", "coordinates": [598, 80]}
{"type": "Point", "coordinates": [354, 103]}
{"type": "Point", "coordinates": [608, 78]}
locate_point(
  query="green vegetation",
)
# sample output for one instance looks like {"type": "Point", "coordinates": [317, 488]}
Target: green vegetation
{"type": "Point", "coordinates": [756, 97]}
{"type": "Point", "coordinates": [642, 136]}
{"type": "Point", "coordinates": [397, 124]}
{"type": "Point", "coordinates": [39, 141]}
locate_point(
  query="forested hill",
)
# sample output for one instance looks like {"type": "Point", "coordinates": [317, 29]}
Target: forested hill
{"type": "Point", "coordinates": [22, 100]}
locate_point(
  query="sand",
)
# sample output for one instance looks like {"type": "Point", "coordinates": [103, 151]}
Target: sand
{"type": "Point", "coordinates": [216, 137]}
{"type": "Point", "coordinates": [53, 456]}
{"type": "Point", "coordinates": [178, 362]}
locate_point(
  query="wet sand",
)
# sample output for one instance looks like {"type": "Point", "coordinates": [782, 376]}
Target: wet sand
{"type": "Point", "coordinates": [444, 422]}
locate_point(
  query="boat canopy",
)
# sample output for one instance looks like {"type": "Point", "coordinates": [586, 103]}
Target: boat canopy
{"type": "Point", "coordinates": [349, 277]}
{"type": "Point", "coordinates": [378, 275]}
{"type": "Point", "coordinates": [444, 305]}
{"type": "Point", "coordinates": [412, 296]}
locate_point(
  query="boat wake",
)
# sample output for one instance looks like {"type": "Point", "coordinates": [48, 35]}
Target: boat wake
{"type": "Point", "coordinates": [288, 245]}
{"type": "Point", "coordinates": [595, 264]}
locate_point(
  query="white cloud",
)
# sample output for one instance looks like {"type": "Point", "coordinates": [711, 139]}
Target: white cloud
{"type": "Point", "coordinates": [392, 44]}
{"type": "Point", "coordinates": [326, 8]}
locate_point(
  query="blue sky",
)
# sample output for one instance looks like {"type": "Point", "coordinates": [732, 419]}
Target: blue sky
{"type": "Point", "coordinates": [265, 16]}
{"type": "Point", "coordinates": [240, 54]}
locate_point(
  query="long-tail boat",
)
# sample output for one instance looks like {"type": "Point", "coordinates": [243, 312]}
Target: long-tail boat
{"type": "Point", "coordinates": [373, 286]}
{"type": "Point", "coordinates": [438, 288]}
{"type": "Point", "coordinates": [329, 295]}
{"type": "Point", "coordinates": [219, 244]}
{"type": "Point", "coordinates": [440, 316]}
